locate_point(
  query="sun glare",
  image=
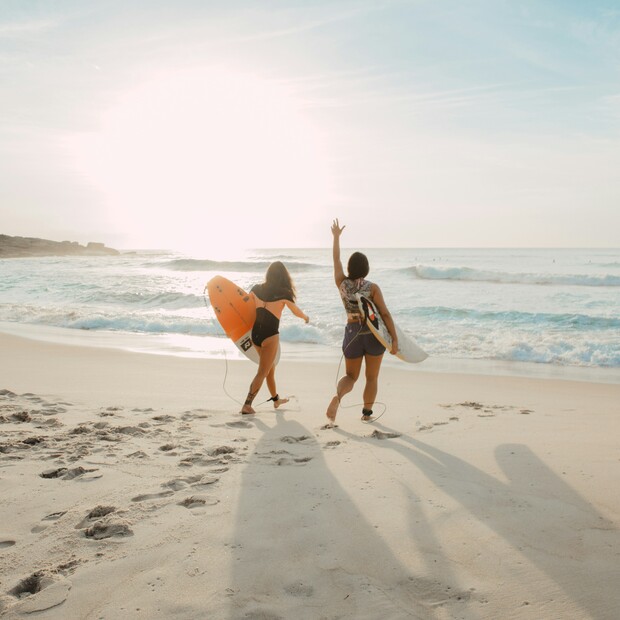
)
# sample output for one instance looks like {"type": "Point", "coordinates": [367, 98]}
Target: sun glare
{"type": "Point", "coordinates": [205, 160]}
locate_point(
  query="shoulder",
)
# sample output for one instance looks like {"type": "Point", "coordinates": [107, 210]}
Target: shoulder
{"type": "Point", "coordinates": [345, 285]}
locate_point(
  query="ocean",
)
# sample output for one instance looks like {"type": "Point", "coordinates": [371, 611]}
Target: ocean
{"type": "Point", "coordinates": [554, 312]}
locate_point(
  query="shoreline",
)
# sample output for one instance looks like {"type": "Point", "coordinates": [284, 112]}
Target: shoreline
{"type": "Point", "coordinates": [132, 487]}
{"type": "Point", "coordinates": [209, 347]}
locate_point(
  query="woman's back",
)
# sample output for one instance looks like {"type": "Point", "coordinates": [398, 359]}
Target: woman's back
{"type": "Point", "coordinates": [271, 300]}
{"type": "Point", "coordinates": [348, 288]}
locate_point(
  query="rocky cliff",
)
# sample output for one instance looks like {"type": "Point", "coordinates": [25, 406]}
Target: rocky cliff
{"type": "Point", "coordinates": [19, 247]}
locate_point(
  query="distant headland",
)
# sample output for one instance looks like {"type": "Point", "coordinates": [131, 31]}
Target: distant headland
{"type": "Point", "coordinates": [22, 247]}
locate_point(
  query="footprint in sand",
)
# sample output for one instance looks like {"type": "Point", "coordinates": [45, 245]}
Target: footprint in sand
{"type": "Point", "coordinates": [108, 529]}
{"type": "Point", "coordinates": [37, 529]}
{"type": "Point", "coordinates": [239, 424]}
{"type": "Point", "coordinates": [195, 414]}
{"type": "Point", "coordinates": [176, 484]}
{"type": "Point", "coordinates": [328, 426]}
{"type": "Point", "coordinates": [54, 516]}
{"type": "Point", "coordinates": [285, 460]}
{"type": "Point", "coordinates": [219, 470]}
{"type": "Point", "coordinates": [52, 411]}
{"type": "Point", "coordinates": [381, 435]}
{"type": "Point", "coordinates": [78, 472]}
{"type": "Point", "coordinates": [221, 450]}
{"type": "Point", "coordinates": [40, 591]}
{"type": "Point", "coordinates": [53, 473]}
{"type": "Point", "coordinates": [205, 482]}
{"type": "Point", "coordinates": [5, 544]}
{"type": "Point", "coordinates": [164, 418]}
{"type": "Point", "coordinates": [128, 430]}
{"type": "Point", "coordinates": [196, 501]}
{"type": "Point", "coordinates": [291, 439]}
{"type": "Point", "coordinates": [332, 444]}
{"type": "Point", "coordinates": [82, 429]}
{"type": "Point", "coordinates": [138, 455]}
{"type": "Point", "coordinates": [149, 496]}
{"type": "Point", "coordinates": [96, 513]}
{"type": "Point", "coordinates": [21, 416]}
{"type": "Point", "coordinates": [35, 440]}
{"type": "Point", "coordinates": [201, 460]}
{"type": "Point", "coordinates": [266, 455]}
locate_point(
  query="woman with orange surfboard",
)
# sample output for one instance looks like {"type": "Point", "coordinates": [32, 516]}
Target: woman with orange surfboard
{"type": "Point", "coordinates": [270, 298]}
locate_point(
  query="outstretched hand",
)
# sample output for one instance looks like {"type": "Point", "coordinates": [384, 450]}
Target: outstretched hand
{"type": "Point", "coordinates": [336, 229]}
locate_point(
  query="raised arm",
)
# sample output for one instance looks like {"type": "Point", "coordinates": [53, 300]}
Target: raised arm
{"type": "Point", "coordinates": [339, 275]}
{"type": "Point", "coordinates": [297, 311]}
{"type": "Point", "coordinates": [377, 298]}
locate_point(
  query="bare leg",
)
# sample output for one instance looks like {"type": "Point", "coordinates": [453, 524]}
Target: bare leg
{"type": "Point", "coordinates": [267, 355]}
{"type": "Point", "coordinates": [271, 381]}
{"type": "Point", "coordinates": [373, 365]}
{"type": "Point", "coordinates": [271, 384]}
{"type": "Point", "coordinates": [345, 385]}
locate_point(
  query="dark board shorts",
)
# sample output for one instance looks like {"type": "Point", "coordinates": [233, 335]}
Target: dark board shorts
{"type": "Point", "coordinates": [359, 341]}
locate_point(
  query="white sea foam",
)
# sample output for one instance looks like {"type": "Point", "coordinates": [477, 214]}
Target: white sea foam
{"type": "Point", "coordinates": [467, 274]}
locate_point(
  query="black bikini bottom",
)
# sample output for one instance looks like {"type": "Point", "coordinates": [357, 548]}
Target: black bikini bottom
{"type": "Point", "coordinates": [266, 325]}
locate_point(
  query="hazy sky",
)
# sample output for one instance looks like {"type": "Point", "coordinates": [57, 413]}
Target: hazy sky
{"type": "Point", "coordinates": [210, 125]}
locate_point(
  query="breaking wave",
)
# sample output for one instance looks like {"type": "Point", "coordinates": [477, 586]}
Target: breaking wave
{"type": "Point", "coordinates": [467, 274]}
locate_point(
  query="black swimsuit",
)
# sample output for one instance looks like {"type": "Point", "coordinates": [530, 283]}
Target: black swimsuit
{"type": "Point", "coordinates": [266, 324]}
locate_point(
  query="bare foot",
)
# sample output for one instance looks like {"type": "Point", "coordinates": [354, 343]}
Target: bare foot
{"type": "Point", "coordinates": [247, 410]}
{"type": "Point", "coordinates": [367, 418]}
{"type": "Point", "coordinates": [332, 409]}
{"type": "Point", "coordinates": [280, 401]}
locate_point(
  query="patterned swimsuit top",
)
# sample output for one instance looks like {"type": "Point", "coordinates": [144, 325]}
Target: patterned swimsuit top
{"type": "Point", "coordinates": [347, 290]}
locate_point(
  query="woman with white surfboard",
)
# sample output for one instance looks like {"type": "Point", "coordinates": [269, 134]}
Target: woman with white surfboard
{"type": "Point", "coordinates": [359, 344]}
{"type": "Point", "coordinates": [270, 297]}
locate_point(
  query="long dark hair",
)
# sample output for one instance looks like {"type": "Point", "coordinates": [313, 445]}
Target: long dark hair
{"type": "Point", "coordinates": [358, 266]}
{"type": "Point", "coordinates": [278, 283]}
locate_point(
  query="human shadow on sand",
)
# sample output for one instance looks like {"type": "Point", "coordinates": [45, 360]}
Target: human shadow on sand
{"type": "Point", "coordinates": [302, 548]}
{"type": "Point", "coordinates": [524, 512]}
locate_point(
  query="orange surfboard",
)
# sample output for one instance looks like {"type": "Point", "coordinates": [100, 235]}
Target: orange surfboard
{"type": "Point", "coordinates": [236, 312]}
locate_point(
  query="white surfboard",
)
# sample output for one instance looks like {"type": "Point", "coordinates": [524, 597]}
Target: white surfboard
{"type": "Point", "coordinates": [408, 350]}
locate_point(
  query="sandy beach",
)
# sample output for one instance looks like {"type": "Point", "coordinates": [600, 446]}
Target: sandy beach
{"type": "Point", "coordinates": [131, 488]}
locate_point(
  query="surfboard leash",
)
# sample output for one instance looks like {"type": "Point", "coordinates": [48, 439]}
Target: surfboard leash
{"type": "Point", "coordinates": [291, 397]}
{"type": "Point", "coordinates": [224, 381]}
